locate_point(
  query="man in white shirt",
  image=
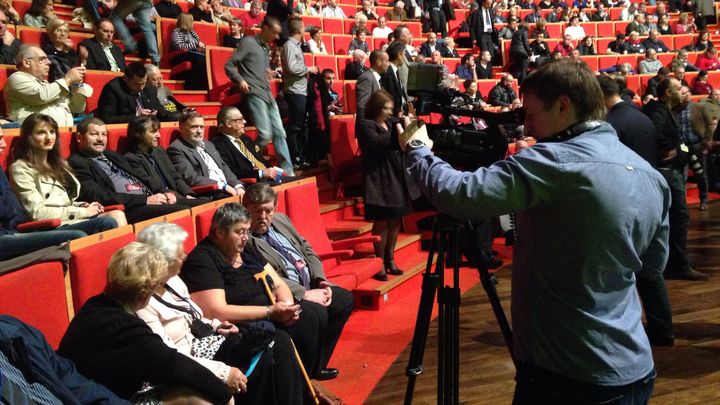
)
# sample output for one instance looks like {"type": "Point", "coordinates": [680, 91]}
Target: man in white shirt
{"type": "Point", "coordinates": [369, 82]}
{"type": "Point", "coordinates": [332, 10]}
{"type": "Point", "coordinates": [382, 30]}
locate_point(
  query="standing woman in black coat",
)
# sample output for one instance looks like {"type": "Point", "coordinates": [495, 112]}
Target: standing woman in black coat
{"type": "Point", "coordinates": [386, 197]}
{"type": "Point", "coordinates": [520, 52]}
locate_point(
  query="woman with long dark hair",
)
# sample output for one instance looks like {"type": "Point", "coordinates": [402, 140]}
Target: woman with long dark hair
{"type": "Point", "coordinates": [386, 197]}
{"type": "Point", "coordinates": [39, 13]}
{"type": "Point", "coordinates": [45, 184]}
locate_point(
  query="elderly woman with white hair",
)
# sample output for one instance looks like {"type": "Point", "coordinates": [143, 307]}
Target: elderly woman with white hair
{"type": "Point", "coordinates": [111, 345]}
{"type": "Point", "coordinates": [219, 346]}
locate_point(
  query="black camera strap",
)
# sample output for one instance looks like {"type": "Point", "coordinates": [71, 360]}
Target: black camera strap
{"type": "Point", "coordinates": [188, 310]}
{"type": "Point", "coordinates": [572, 131]}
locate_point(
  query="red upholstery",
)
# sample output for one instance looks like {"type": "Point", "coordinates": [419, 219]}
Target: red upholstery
{"type": "Point", "coordinates": [97, 79]}
{"type": "Point", "coordinates": [342, 61]}
{"type": "Point", "coordinates": [681, 40]}
{"type": "Point", "coordinates": [117, 139]}
{"type": "Point", "coordinates": [281, 204]}
{"type": "Point", "coordinates": [332, 26]}
{"type": "Point", "coordinates": [343, 149]}
{"type": "Point", "coordinates": [348, 282]}
{"type": "Point", "coordinates": [361, 269]}
{"type": "Point", "coordinates": [350, 86]}
{"type": "Point", "coordinates": [41, 225]}
{"type": "Point", "coordinates": [605, 29]}
{"type": "Point", "coordinates": [326, 62]}
{"type": "Point", "coordinates": [186, 222]}
{"type": "Point", "coordinates": [216, 71]}
{"type": "Point", "coordinates": [202, 224]}
{"type": "Point", "coordinates": [341, 44]}
{"type": "Point", "coordinates": [88, 267]}
{"type": "Point", "coordinates": [36, 295]}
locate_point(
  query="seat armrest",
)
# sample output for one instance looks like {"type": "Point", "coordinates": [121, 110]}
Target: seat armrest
{"type": "Point", "coordinates": [347, 243]}
{"type": "Point", "coordinates": [204, 189]}
{"type": "Point", "coordinates": [115, 207]}
{"type": "Point", "coordinates": [41, 225]}
{"type": "Point", "coordinates": [336, 254]}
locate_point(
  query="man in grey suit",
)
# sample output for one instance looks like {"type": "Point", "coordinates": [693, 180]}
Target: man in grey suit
{"type": "Point", "coordinates": [197, 161]}
{"type": "Point", "coordinates": [277, 241]}
{"type": "Point", "coordinates": [369, 82]}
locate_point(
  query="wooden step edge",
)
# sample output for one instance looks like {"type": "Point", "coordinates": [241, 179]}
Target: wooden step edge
{"type": "Point", "coordinates": [203, 103]}
{"type": "Point", "coordinates": [357, 228]}
{"type": "Point", "coordinates": [395, 281]}
{"type": "Point", "coordinates": [190, 92]}
{"type": "Point", "coordinates": [404, 240]}
{"type": "Point", "coordinates": [326, 207]}
{"type": "Point", "coordinates": [171, 81]}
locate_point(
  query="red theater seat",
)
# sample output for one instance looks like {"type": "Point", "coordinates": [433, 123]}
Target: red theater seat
{"type": "Point", "coordinates": [350, 86]}
{"type": "Point", "coordinates": [181, 218]}
{"type": "Point", "coordinates": [36, 295]}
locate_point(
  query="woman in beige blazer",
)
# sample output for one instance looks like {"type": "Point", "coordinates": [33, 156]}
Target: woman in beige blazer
{"type": "Point", "coordinates": [45, 185]}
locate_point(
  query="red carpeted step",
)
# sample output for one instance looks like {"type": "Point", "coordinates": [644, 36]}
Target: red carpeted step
{"type": "Point", "coordinates": [174, 85]}
{"type": "Point", "coordinates": [208, 108]}
{"type": "Point", "coordinates": [191, 96]}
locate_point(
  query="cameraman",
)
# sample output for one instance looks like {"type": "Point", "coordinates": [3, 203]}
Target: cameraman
{"type": "Point", "coordinates": [591, 216]}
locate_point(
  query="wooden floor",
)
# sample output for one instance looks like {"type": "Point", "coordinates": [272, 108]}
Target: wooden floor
{"type": "Point", "coordinates": [688, 373]}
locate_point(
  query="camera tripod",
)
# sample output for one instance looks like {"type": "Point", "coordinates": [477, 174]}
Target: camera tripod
{"type": "Point", "coordinates": [448, 298]}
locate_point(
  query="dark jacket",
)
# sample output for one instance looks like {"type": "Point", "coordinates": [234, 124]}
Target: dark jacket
{"type": "Point", "coordinates": [483, 72]}
{"type": "Point", "coordinates": [199, 15]}
{"type": "Point", "coordinates": [447, 53]}
{"type": "Point", "coordinates": [668, 135]}
{"type": "Point", "coordinates": [118, 105]}
{"type": "Point", "coordinates": [167, 9]}
{"type": "Point", "coordinates": [519, 46]}
{"type": "Point", "coordinates": [117, 349]}
{"type": "Point", "coordinates": [140, 163]}
{"type": "Point", "coordinates": [241, 166]}
{"type": "Point", "coordinates": [425, 49]}
{"type": "Point", "coordinates": [43, 366]}
{"type": "Point", "coordinates": [391, 84]}
{"type": "Point", "coordinates": [192, 168]}
{"type": "Point", "coordinates": [635, 130]}
{"type": "Point", "coordinates": [7, 53]}
{"type": "Point", "coordinates": [97, 60]}
{"type": "Point", "coordinates": [230, 41]}
{"type": "Point", "coordinates": [95, 185]}
{"type": "Point", "coordinates": [382, 164]}
{"type": "Point", "coordinates": [12, 213]}
{"type": "Point", "coordinates": [446, 7]}
{"type": "Point", "coordinates": [501, 96]}
{"type": "Point", "coordinates": [60, 61]}
{"type": "Point", "coordinates": [477, 25]}
{"type": "Point", "coordinates": [354, 70]}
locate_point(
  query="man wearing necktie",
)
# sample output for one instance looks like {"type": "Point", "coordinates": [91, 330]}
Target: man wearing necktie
{"type": "Point", "coordinates": [369, 82]}
{"type": "Point", "coordinates": [482, 30]}
{"type": "Point", "coordinates": [439, 12]}
{"type": "Point", "coordinates": [391, 79]}
{"type": "Point", "coordinates": [277, 241]}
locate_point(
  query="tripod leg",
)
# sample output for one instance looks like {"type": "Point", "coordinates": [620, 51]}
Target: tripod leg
{"type": "Point", "coordinates": [422, 324]}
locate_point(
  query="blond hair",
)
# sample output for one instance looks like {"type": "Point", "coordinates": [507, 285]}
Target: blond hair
{"type": "Point", "coordinates": [185, 22]}
{"type": "Point", "coordinates": [135, 272]}
{"type": "Point", "coordinates": [54, 24]}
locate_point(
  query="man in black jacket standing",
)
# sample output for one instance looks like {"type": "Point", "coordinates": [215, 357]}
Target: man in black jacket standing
{"type": "Point", "coordinates": [673, 159]}
{"type": "Point", "coordinates": [520, 52]}
{"type": "Point", "coordinates": [439, 11]}
{"type": "Point", "coordinates": [100, 53]}
{"type": "Point", "coordinates": [482, 30]}
{"type": "Point", "coordinates": [390, 80]}
{"type": "Point", "coordinates": [128, 96]}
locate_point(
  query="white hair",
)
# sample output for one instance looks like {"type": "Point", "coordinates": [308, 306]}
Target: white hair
{"type": "Point", "coordinates": [166, 237]}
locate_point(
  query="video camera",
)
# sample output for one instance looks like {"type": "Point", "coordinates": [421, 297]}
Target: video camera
{"type": "Point", "coordinates": [463, 146]}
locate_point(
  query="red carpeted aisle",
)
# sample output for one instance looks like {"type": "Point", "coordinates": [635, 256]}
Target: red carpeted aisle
{"type": "Point", "coordinates": [372, 340]}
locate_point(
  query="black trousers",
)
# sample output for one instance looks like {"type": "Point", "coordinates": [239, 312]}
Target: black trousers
{"type": "Point", "coordinates": [519, 67]}
{"type": "Point", "coordinates": [438, 22]}
{"type": "Point", "coordinates": [196, 77]}
{"type": "Point", "coordinates": [485, 42]}
{"type": "Point", "coordinates": [656, 303]}
{"type": "Point", "coordinates": [317, 331]}
{"type": "Point", "coordinates": [297, 117]}
{"type": "Point", "coordinates": [678, 261]}
{"type": "Point", "coordinates": [144, 212]}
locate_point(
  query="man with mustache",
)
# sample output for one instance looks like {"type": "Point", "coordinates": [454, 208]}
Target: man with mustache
{"type": "Point", "coordinates": [107, 177]}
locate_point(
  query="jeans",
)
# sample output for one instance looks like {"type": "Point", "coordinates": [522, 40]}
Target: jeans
{"type": "Point", "coordinates": [18, 244]}
{"type": "Point", "coordinates": [269, 125]}
{"type": "Point", "coordinates": [91, 226]}
{"type": "Point", "coordinates": [656, 303]}
{"type": "Point", "coordinates": [141, 11]}
{"type": "Point", "coordinates": [538, 386]}
{"type": "Point", "coordinates": [296, 125]}
{"type": "Point", "coordinates": [678, 261]}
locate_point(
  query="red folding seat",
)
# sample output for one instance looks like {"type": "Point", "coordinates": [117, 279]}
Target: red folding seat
{"type": "Point", "coordinates": [97, 79]}
{"type": "Point", "coordinates": [341, 44]}
{"type": "Point", "coordinates": [606, 61]}
{"type": "Point", "coordinates": [343, 150]}
{"type": "Point", "coordinates": [605, 29]}
{"type": "Point", "coordinates": [325, 62]}
{"type": "Point", "coordinates": [350, 96]}
{"type": "Point", "coordinates": [342, 61]}
{"type": "Point", "coordinates": [332, 26]}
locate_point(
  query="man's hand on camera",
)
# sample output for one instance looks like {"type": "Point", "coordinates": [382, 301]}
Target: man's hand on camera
{"type": "Point", "coordinates": [416, 132]}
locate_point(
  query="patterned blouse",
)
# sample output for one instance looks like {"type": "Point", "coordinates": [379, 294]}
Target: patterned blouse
{"type": "Point", "coordinates": [186, 40]}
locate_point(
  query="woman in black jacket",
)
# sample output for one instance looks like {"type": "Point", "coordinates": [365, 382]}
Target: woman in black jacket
{"type": "Point", "coordinates": [386, 197]}
{"type": "Point", "coordinates": [59, 49]}
{"type": "Point", "coordinates": [520, 52]}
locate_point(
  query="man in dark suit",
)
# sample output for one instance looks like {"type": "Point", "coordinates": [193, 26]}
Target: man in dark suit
{"type": "Point", "coordinates": [106, 177]}
{"type": "Point", "coordinates": [197, 161]}
{"type": "Point", "coordinates": [440, 12]}
{"type": "Point", "coordinates": [94, 51]}
{"type": "Point", "coordinates": [391, 80]}
{"type": "Point", "coordinates": [369, 82]}
{"type": "Point", "coordinates": [354, 69]}
{"type": "Point", "coordinates": [431, 45]}
{"type": "Point", "coordinates": [242, 155]}
{"type": "Point", "coordinates": [126, 97]}
{"type": "Point", "coordinates": [276, 239]}
{"type": "Point", "coordinates": [482, 30]}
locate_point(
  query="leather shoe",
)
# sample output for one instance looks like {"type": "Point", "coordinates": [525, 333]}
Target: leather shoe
{"type": "Point", "coordinates": [667, 341]}
{"type": "Point", "coordinates": [327, 374]}
{"type": "Point", "coordinates": [380, 276]}
{"type": "Point", "coordinates": [690, 275]}
{"type": "Point", "coordinates": [394, 271]}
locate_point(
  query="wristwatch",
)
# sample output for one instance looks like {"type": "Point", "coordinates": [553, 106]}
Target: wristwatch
{"type": "Point", "coordinates": [415, 144]}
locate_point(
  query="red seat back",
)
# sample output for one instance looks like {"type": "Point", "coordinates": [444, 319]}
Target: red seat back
{"type": "Point", "coordinates": [343, 145]}
{"type": "Point", "coordinates": [350, 86]}
{"type": "Point", "coordinates": [216, 58]}
{"type": "Point", "coordinates": [36, 295]}
{"type": "Point", "coordinates": [97, 79]}
{"type": "Point", "coordinates": [341, 44]}
{"type": "Point", "coordinates": [303, 208]}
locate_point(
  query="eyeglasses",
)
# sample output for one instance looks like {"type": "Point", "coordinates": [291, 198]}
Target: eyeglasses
{"type": "Point", "coordinates": [41, 59]}
{"type": "Point", "coordinates": [241, 119]}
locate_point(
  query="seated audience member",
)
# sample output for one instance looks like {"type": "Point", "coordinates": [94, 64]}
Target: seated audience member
{"type": "Point", "coordinates": [651, 89]}
{"type": "Point", "coordinates": [106, 177]}
{"type": "Point", "coordinates": [128, 96]}
{"type": "Point", "coordinates": [708, 60]}
{"type": "Point", "coordinates": [683, 25]}
{"type": "Point", "coordinates": [360, 24]}
{"type": "Point", "coordinates": [638, 25]}
{"type": "Point", "coordinates": [39, 13]}
{"type": "Point", "coordinates": [168, 9]}
{"type": "Point", "coordinates": [276, 240]}
{"type": "Point", "coordinates": [111, 345]}
{"type": "Point", "coordinates": [9, 45]}
{"type": "Point", "coordinates": [13, 17]}
{"type": "Point", "coordinates": [466, 69]}
{"type": "Point", "coordinates": [100, 53]}
{"type": "Point", "coordinates": [507, 31]}
{"type": "Point", "coordinates": [565, 46]}
{"type": "Point", "coordinates": [27, 90]}
{"type": "Point", "coordinates": [546, 5]}
{"type": "Point", "coordinates": [483, 67]}
{"type": "Point", "coordinates": [60, 383]}
{"type": "Point", "coordinates": [332, 102]}
{"type": "Point", "coordinates": [197, 161]}
{"type": "Point", "coordinates": [382, 30]}
{"type": "Point", "coordinates": [303, 7]}
{"type": "Point", "coordinates": [619, 46]}
{"type": "Point", "coordinates": [315, 43]}
{"type": "Point", "coordinates": [232, 38]}
{"type": "Point", "coordinates": [184, 38]}
{"type": "Point", "coordinates": [700, 84]}
{"type": "Point", "coordinates": [397, 13]}
{"type": "Point", "coordinates": [703, 41]}
{"type": "Point", "coordinates": [12, 214]}
{"type": "Point", "coordinates": [220, 14]}
{"type": "Point", "coordinates": [448, 50]}
{"type": "Point", "coordinates": [354, 69]}
{"type": "Point", "coordinates": [471, 89]}
{"type": "Point", "coordinates": [650, 64]}
{"type": "Point", "coordinates": [681, 59]}
{"type": "Point", "coordinates": [633, 43]}
{"type": "Point", "coordinates": [219, 274]}
{"type": "Point", "coordinates": [540, 28]}
{"type": "Point", "coordinates": [173, 316]}
{"type": "Point", "coordinates": [431, 45]}
{"type": "Point", "coordinates": [601, 14]}
{"type": "Point", "coordinates": [59, 48]}
{"type": "Point", "coordinates": [539, 50]}
{"type": "Point", "coordinates": [368, 10]}
{"type": "Point", "coordinates": [332, 10]}
{"type": "Point", "coordinates": [587, 47]}
{"type": "Point", "coordinates": [663, 25]}
{"type": "Point", "coordinates": [535, 16]}
{"type": "Point", "coordinates": [652, 42]}
{"type": "Point", "coordinates": [621, 69]}
{"type": "Point", "coordinates": [164, 95]}
{"type": "Point", "coordinates": [359, 43]}
{"type": "Point", "coordinates": [503, 95]}
{"type": "Point", "coordinates": [242, 154]}
{"type": "Point", "coordinates": [201, 11]}
{"type": "Point", "coordinates": [575, 30]}
{"type": "Point", "coordinates": [45, 185]}
{"type": "Point", "coordinates": [679, 73]}
{"type": "Point", "coordinates": [152, 164]}
{"type": "Point", "coordinates": [253, 18]}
